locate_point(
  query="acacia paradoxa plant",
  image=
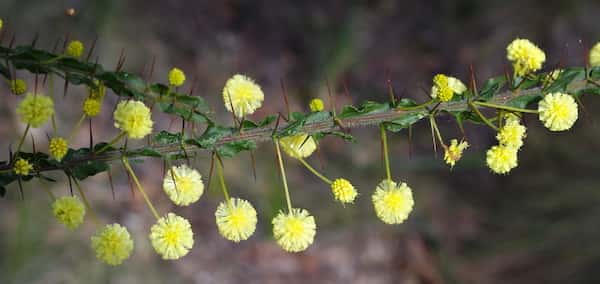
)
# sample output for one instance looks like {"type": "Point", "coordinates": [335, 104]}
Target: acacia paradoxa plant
{"type": "Point", "coordinates": [499, 104]}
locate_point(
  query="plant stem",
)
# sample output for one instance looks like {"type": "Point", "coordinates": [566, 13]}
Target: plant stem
{"type": "Point", "coordinates": [509, 108]}
{"type": "Point", "coordinates": [76, 127]}
{"type": "Point", "coordinates": [112, 142]}
{"type": "Point", "coordinates": [222, 181]}
{"type": "Point", "coordinates": [140, 188]}
{"type": "Point", "coordinates": [482, 117]}
{"type": "Point", "coordinates": [86, 202]}
{"type": "Point", "coordinates": [22, 139]}
{"type": "Point", "coordinates": [282, 171]}
{"type": "Point", "coordinates": [385, 152]}
{"type": "Point", "coordinates": [314, 171]}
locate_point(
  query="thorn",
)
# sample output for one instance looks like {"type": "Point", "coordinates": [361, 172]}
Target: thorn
{"type": "Point", "coordinates": [35, 39]}
{"type": "Point", "coordinates": [194, 81]}
{"type": "Point", "coordinates": [93, 46]}
{"type": "Point", "coordinates": [110, 181]}
{"type": "Point", "coordinates": [91, 135]}
{"type": "Point", "coordinates": [331, 97]}
{"type": "Point", "coordinates": [346, 92]}
{"type": "Point", "coordinates": [390, 87]}
{"type": "Point", "coordinates": [253, 165]}
{"type": "Point", "coordinates": [70, 183]}
{"type": "Point", "coordinates": [433, 140]}
{"type": "Point", "coordinates": [67, 36]}
{"type": "Point", "coordinates": [473, 80]}
{"type": "Point", "coordinates": [35, 86]}
{"type": "Point", "coordinates": [285, 98]}
{"type": "Point", "coordinates": [121, 60]}
{"type": "Point", "coordinates": [152, 67]}
{"type": "Point", "coordinates": [232, 109]}
{"type": "Point", "coordinates": [410, 135]}
{"type": "Point", "coordinates": [55, 45]}
{"type": "Point", "coordinates": [12, 41]}
{"type": "Point", "coordinates": [276, 124]}
{"type": "Point", "coordinates": [65, 88]}
{"type": "Point", "coordinates": [32, 143]}
{"type": "Point", "coordinates": [320, 158]}
{"type": "Point", "coordinates": [130, 184]}
{"type": "Point", "coordinates": [210, 172]}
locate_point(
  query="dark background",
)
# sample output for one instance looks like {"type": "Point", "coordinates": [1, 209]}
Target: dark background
{"type": "Point", "coordinates": [537, 225]}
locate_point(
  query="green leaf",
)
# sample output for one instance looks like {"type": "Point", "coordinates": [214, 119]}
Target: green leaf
{"type": "Point", "coordinates": [232, 148]}
{"type": "Point", "coordinates": [145, 152]}
{"type": "Point", "coordinates": [524, 100]}
{"type": "Point", "coordinates": [564, 79]}
{"type": "Point", "coordinates": [300, 120]}
{"type": "Point", "coordinates": [165, 137]}
{"type": "Point", "coordinates": [366, 108]}
{"type": "Point", "coordinates": [405, 121]}
{"type": "Point", "coordinates": [211, 135]}
{"type": "Point", "coordinates": [491, 87]}
{"type": "Point", "coordinates": [249, 124]}
{"type": "Point", "coordinates": [89, 168]}
{"type": "Point", "coordinates": [186, 113]}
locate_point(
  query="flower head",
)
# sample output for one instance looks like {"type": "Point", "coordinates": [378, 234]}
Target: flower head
{"type": "Point", "coordinates": [525, 56]}
{"type": "Point", "coordinates": [172, 236]}
{"type": "Point", "coordinates": [393, 203]}
{"type": "Point", "coordinates": [112, 244]}
{"type": "Point", "coordinates": [294, 231]}
{"type": "Point", "coordinates": [69, 211]}
{"type": "Point", "coordinates": [343, 190]}
{"type": "Point", "coordinates": [236, 219]}
{"type": "Point", "coordinates": [1, 24]}
{"type": "Point", "coordinates": [511, 134]}
{"type": "Point", "coordinates": [299, 145]}
{"type": "Point", "coordinates": [35, 109]}
{"type": "Point", "coordinates": [511, 118]}
{"type": "Point", "coordinates": [501, 159]}
{"type": "Point", "coordinates": [92, 107]}
{"type": "Point", "coordinates": [176, 77]}
{"type": "Point", "coordinates": [454, 152]}
{"type": "Point", "coordinates": [558, 111]}
{"type": "Point", "coordinates": [595, 55]}
{"type": "Point", "coordinates": [456, 85]}
{"type": "Point", "coordinates": [18, 86]}
{"type": "Point", "coordinates": [22, 167]}
{"type": "Point", "coordinates": [242, 96]}
{"type": "Point", "coordinates": [134, 118]}
{"type": "Point", "coordinates": [183, 185]}
{"type": "Point", "coordinates": [97, 92]}
{"type": "Point", "coordinates": [316, 105]}
{"type": "Point", "coordinates": [75, 48]}
{"type": "Point", "coordinates": [58, 148]}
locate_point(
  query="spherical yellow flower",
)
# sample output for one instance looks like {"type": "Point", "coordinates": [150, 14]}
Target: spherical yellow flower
{"type": "Point", "coordinates": [1, 24]}
{"type": "Point", "coordinates": [97, 92]}
{"type": "Point", "coordinates": [502, 159]}
{"type": "Point", "coordinates": [176, 77]}
{"type": "Point", "coordinates": [58, 148]}
{"type": "Point", "coordinates": [172, 236]}
{"type": "Point", "coordinates": [183, 185]}
{"type": "Point", "coordinates": [511, 118]}
{"type": "Point", "coordinates": [595, 55]}
{"type": "Point", "coordinates": [134, 118]}
{"type": "Point", "coordinates": [456, 85]}
{"type": "Point", "coordinates": [236, 220]}
{"type": "Point", "coordinates": [35, 109]}
{"type": "Point", "coordinates": [441, 88]}
{"type": "Point", "coordinates": [69, 211]}
{"type": "Point", "coordinates": [511, 135]}
{"type": "Point", "coordinates": [558, 111]}
{"type": "Point", "coordinates": [18, 86]}
{"type": "Point", "coordinates": [242, 96]}
{"type": "Point", "coordinates": [294, 231]}
{"type": "Point", "coordinates": [316, 105]}
{"type": "Point", "coordinates": [112, 244]}
{"type": "Point", "coordinates": [343, 190]}
{"type": "Point", "coordinates": [22, 167]}
{"type": "Point", "coordinates": [454, 152]}
{"type": "Point", "coordinates": [91, 107]}
{"type": "Point", "coordinates": [298, 146]}
{"type": "Point", "coordinates": [75, 48]}
{"type": "Point", "coordinates": [393, 203]}
{"type": "Point", "coordinates": [525, 56]}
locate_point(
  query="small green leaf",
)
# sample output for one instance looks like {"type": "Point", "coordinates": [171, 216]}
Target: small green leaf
{"type": "Point", "coordinates": [564, 79]}
{"type": "Point", "coordinates": [366, 108]}
{"type": "Point", "coordinates": [491, 87]}
{"type": "Point", "coordinates": [249, 124]}
{"type": "Point", "coordinates": [405, 121]}
{"type": "Point", "coordinates": [524, 100]}
{"type": "Point", "coordinates": [165, 137]}
{"type": "Point", "coordinates": [89, 168]}
{"type": "Point", "coordinates": [145, 152]}
{"type": "Point", "coordinates": [230, 149]}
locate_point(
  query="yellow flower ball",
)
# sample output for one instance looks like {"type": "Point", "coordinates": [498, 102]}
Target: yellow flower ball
{"type": "Point", "coordinates": [441, 88]}
{"type": "Point", "coordinates": [316, 105]}
{"type": "Point", "coordinates": [22, 167]}
{"type": "Point", "coordinates": [172, 236]}
{"type": "Point", "coordinates": [511, 135]}
{"type": "Point", "coordinates": [298, 146]}
{"type": "Point", "coordinates": [112, 244]}
{"type": "Point", "coordinates": [525, 56]}
{"type": "Point", "coordinates": [343, 190]}
{"type": "Point", "coordinates": [595, 55]}
{"type": "Point", "coordinates": [18, 87]}
{"type": "Point", "coordinates": [1, 24]}
{"type": "Point", "coordinates": [176, 77]}
{"type": "Point", "coordinates": [242, 96]}
{"type": "Point", "coordinates": [92, 107]}
{"type": "Point", "coordinates": [456, 85]}
{"type": "Point", "coordinates": [134, 118]}
{"type": "Point", "coordinates": [183, 185]}
{"type": "Point", "coordinates": [558, 111]}
{"type": "Point", "coordinates": [69, 211]}
{"type": "Point", "coordinates": [58, 148]}
{"type": "Point", "coordinates": [511, 118]}
{"type": "Point", "coordinates": [502, 159]}
{"type": "Point", "coordinates": [294, 231]}
{"type": "Point", "coordinates": [454, 152]}
{"type": "Point", "coordinates": [75, 48]}
{"type": "Point", "coordinates": [236, 220]}
{"type": "Point", "coordinates": [393, 203]}
{"type": "Point", "coordinates": [35, 109]}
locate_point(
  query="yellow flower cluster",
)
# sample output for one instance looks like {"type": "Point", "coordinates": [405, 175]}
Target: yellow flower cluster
{"type": "Point", "coordinates": [454, 152]}
{"type": "Point", "coordinates": [501, 159]}
{"type": "Point", "coordinates": [58, 148]}
{"type": "Point", "coordinates": [299, 145]}
{"type": "Point", "coordinates": [236, 219]}
{"type": "Point", "coordinates": [69, 211]}
{"type": "Point", "coordinates": [134, 118]}
{"type": "Point", "coordinates": [112, 244]}
{"type": "Point", "coordinates": [595, 55]}
{"type": "Point", "coordinates": [316, 105]}
{"type": "Point", "coordinates": [176, 77]}
{"type": "Point", "coordinates": [75, 49]}
{"type": "Point", "coordinates": [393, 203]}
{"type": "Point", "coordinates": [172, 236]}
{"type": "Point", "coordinates": [242, 96]}
{"type": "Point", "coordinates": [343, 190]}
{"type": "Point", "coordinates": [18, 86]}
{"type": "Point", "coordinates": [93, 103]}
{"type": "Point", "coordinates": [558, 111]}
{"type": "Point", "coordinates": [35, 109]}
{"type": "Point", "coordinates": [445, 87]}
{"type": "Point", "coordinates": [511, 134]}
{"type": "Point", "coordinates": [525, 56]}
{"type": "Point", "coordinates": [22, 167]}
{"type": "Point", "coordinates": [294, 231]}
{"type": "Point", "coordinates": [183, 185]}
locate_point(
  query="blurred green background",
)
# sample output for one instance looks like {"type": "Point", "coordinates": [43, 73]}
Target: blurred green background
{"type": "Point", "coordinates": [537, 225]}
